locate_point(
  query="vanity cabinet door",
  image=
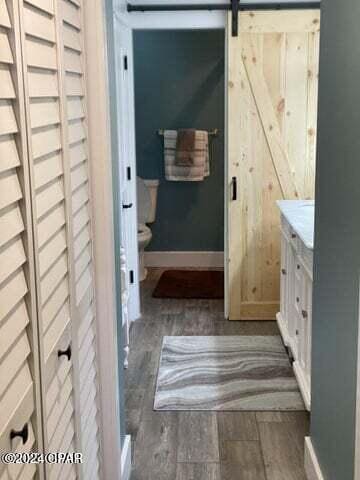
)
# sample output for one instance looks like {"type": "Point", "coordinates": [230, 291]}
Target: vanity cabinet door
{"type": "Point", "coordinates": [292, 315]}
{"type": "Point", "coordinates": [307, 316]}
{"type": "Point", "coordinates": [282, 317]}
{"type": "Point", "coordinates": [302, 364]}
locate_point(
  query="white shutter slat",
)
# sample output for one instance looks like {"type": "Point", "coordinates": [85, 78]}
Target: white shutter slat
{"type": "Point", "coordinates": [12, 328]}
{"type": "Point", "coordinates": [57, 382]}
{"type": "Point", "coordinates": [72, 38]}
{"type": "Point", "coordinates": [74, 85]}
{"type": "Point", "coordinates": [41, 54]}
{"type": "Point", "coordinates": [53, 277]}
{"type": "Point", "coordinates": [75, 109]}
{"type": "Point", "coordinates": [46, 140]}
{"type": "Point", "coordinates": [18, 396]}
{"type": "Point", "coordinates": [86, 323]}
{"type": "Point", "coordinates": [51, 224]}
{"type": "Point", "coordinates": [12, 257]}
{"type": "Point", "coordinates": [56, 330]}
{"type": "Point", "coordinates": [45, 5]}
{"type": "Point", "coordinates": [56, 413]}
{"type": "Point", "coordinates": [80, 219]}
{"type": "Point", "coordinates": [70, 13]}
{"type": "Point", "coordinates": [42, 83]}
{"type": "Point", "coordinates": [83, 238]}
{"type": "Point", "coordinates": [6, 55]}
{"type": "Point", "coordinates": [65, 425]}
{"type": "Point", "coordinates": [80, 197]}
{"type": "Point", "coordinates": [10, 190]}
{"type": "Point", "coordinates": [44, 112]}
{"type": "Point", "coordinates": [39, 26]}
{"type": "Point", "coordinates": [82, 262]}
{"type": "Point", "coordinates": [11, 224]}
{"type": "Point", "coordinates": [50, 196]}
{"type": "Point", "coordinates": [12, 292]}
{"type": "Point", "coordinates": [6, 83]}
{"type": "Point", "coordinates": [77, 154]}
{"type": "Point", "coordinates": [7, 118]}
{"type": "Point", "coordinates": [79, 176]}
{"type": "Point", "coordinates": [72, 61]}
{"type": "Point", "coordinates": [9, 157]}
{"type": "Point", "coordinates": [4, 15]}
{"type": "Point", "coordinates": [12, 362]}
{"type": "Point", "coordinates": [48, 169]}
{"type": "Point", "coordinates": [55, 302]}
{"type": "Point", "coordinates": [52, 251]}
{"type": "Point", "coordinates": [84, 282]}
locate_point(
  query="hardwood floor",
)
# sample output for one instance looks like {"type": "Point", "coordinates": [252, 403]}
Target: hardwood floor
{"type": "Point", "coordinates": [202, 445]}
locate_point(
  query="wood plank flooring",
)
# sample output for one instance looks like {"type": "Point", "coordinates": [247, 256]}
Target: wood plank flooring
{"type": "Point", "coordinates": [202, 445]}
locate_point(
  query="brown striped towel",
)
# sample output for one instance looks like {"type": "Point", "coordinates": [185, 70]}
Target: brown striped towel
{"type": "Point", "coordinates": [192, 173]}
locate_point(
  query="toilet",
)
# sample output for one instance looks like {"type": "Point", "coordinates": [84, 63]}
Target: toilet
{"type": "Point", "coordinates": [146, 211]}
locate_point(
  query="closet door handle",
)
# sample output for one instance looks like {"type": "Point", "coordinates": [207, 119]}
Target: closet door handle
{"type": "Point", "coordinates": [66, 353]}
{"type": "Point", "coordinates": [127, 205]}
{"type": "Point", "coordinates": [234, 188]}
{"type": "Point", "coordinates": [23, 434]}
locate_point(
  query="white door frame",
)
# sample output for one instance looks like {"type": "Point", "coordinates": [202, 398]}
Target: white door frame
{"type": "Point", "coordinates": [127, 158]}
{"type": "Point", "coordinates": [103, 231]}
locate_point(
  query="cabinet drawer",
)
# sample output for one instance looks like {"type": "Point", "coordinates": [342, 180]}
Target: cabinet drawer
{"type": "Point", "coordinates": [307, 256]}
{"type": "Point", "coordinates": [285, 227]}
{"type": "Point", "coordinates": [294, 240]}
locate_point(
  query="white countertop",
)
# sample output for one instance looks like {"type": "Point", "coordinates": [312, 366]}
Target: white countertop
{"type": "Point", "coordinates": [300, 215]}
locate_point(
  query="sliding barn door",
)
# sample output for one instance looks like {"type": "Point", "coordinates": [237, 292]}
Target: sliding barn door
{"type": "Point", "coordinates": [272, 118]}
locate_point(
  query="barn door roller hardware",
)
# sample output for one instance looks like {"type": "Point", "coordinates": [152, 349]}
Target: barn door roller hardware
{"type": "Point", "coordinates": [235, 17]}
{"type": "Point", "coordinates": [235, 6]}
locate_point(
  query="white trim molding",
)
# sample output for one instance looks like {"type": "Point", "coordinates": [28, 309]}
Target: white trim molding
{"type": "Point", "coordinates": [357, 422]}
{"type": "Point", "coordinates": [312, 466]}
{"type": "Point", "coordinates": [184, 259]}
{"type": "Point", "coordinates": [103, 232]}
{"type": "Point", "coordinates": [126, 459]}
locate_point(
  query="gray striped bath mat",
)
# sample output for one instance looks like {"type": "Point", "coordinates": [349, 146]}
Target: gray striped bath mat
{"type": "Point", "coordinates": [226, 373]}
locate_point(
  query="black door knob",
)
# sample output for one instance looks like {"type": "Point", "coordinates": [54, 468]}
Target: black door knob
{"type": "Point", "coordinates": [66, 353]}
{"type": "Point", "coordinates": [128, 205]}
{"type": "Point", "coordinates": [23, 434]}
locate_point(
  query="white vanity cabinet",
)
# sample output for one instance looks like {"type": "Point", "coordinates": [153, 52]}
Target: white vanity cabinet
{"type": "Point", "coordinates": [294, 318]}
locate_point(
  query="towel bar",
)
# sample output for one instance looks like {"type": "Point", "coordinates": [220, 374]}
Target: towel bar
{"type": "Point", "coordinates": [212, 133]}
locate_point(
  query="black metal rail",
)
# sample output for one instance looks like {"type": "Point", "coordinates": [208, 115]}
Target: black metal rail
{"type": "Point", "coordinates": [242, 6]}
{"type": "Point", "coordinates": [235, 6]}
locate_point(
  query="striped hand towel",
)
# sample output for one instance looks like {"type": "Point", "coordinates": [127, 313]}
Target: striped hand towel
{"type": "Point", "coordinates": [192, 173]}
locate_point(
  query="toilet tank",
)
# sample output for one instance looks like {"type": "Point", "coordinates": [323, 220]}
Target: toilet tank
{"type": "Point", "coordinates": [152, 186]}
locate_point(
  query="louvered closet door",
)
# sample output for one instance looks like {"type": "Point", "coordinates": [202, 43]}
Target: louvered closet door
{"type": "Point", "coordinates": [19, 398]}
{"type": "Point", "coordinates": [75, 113]}
{"type": "Point", "coordinates": [47, 168]}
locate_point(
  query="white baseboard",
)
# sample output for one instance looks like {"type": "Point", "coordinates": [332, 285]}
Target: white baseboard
{"type": "Point", "coordinates": [126, 459]}
{"type": "Point", "coordinates": [184, 259]}
{"type": "Point", "coordinates": [312, 466]}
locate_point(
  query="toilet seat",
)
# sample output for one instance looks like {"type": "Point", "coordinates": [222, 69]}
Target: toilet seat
{"type": "Point", "coordinates": [144, 232]}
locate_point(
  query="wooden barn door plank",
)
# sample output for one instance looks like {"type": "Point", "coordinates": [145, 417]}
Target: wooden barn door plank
{"type": "Point", "coordinates": [272, 109]}
{"type": "Point", "coordinates": [268, 118]}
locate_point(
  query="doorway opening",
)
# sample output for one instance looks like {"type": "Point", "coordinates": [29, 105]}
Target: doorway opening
{"type": "Point", "coordinates": [180, 84]}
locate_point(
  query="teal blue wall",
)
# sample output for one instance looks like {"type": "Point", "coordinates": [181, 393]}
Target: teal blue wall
{"type": "Point", "coordinates": [179, 83]}
{"type": "Point", "coordinates": [337, 241]}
